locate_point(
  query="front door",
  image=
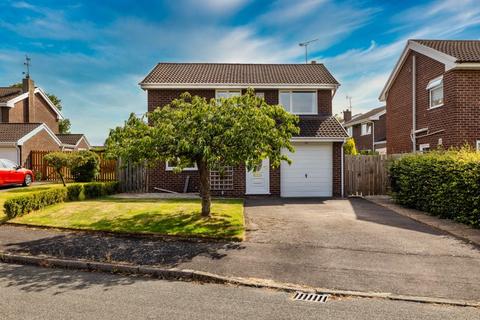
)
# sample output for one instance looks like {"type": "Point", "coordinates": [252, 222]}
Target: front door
{"type": "Point", "coordinates": [258, 181]}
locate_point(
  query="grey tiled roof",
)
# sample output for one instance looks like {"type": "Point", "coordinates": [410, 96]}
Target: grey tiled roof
{"type": "Point", "coordinates": [8, 93]}
{"type": "Point", "coordinates": [365, 116]}
{"type": "Point", "coordinates": [235, 73]}
{"type": "Point", "coordinates": [321, 127]}
{"type": "Point", "coordinates": [70, 138]}
{"type": "Point", "coordinates": [12, 132]}
{"type": "Point", "coordinates": [463, 50]}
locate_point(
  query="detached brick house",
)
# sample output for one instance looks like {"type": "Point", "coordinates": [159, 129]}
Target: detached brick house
{"type": "Point", "coordinates": [30, 121]}
{"type": "Point", "coordinates": [367, 129]}
{"type": "Point", "coordinates": [433, 96]}
{"type": "Point", "coordinates": [304, 89]}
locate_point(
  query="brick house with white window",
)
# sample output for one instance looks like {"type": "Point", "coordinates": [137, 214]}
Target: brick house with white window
{"type": "Point", "coordinates": [433, 96]}
{"type": "Point", "coordinates": [367, 129]}
{"type": "Point", "coordinates": [30, 121]}
{"type": "Point", "coordinates": [304, 89]}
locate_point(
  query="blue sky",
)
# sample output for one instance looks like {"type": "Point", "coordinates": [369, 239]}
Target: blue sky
{"type": "Point", "coordinates": [92, 54]}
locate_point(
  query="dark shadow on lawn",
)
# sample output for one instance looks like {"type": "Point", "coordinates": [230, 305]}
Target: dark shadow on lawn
{"type": "Point", "coordinates": [132, 249]}
{"type": "Point", "coordinates": [371, 212]}
{"type": "Point", "coordinates": [36, 279]}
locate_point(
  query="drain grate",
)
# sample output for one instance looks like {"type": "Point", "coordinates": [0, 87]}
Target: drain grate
{"type": "Point", "coordinates": [311, 297]}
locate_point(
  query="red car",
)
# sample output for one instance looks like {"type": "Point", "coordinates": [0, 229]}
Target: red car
{"type": "Point", "coordinates": [11, 173]}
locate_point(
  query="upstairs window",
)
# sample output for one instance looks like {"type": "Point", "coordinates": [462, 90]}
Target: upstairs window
{"type": "Point", "coordinates": [227, 93]}
{"type": "Point", "coordinates": [350, 131]}
{"type": "Point", "coordinates": [435, 91]}
{"type": "Point", "coordinates": [366, 129]}
{"type": "Point", "coordinates": [299, 102]}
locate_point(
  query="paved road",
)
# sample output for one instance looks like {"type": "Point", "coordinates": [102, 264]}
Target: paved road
{"type": "Point", "coordinates": [40, 293]}
{"type": "Point", "coordinates": [337, 244]}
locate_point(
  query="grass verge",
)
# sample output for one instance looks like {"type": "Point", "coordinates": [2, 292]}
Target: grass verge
{"type": "Point", "coordinates": [166, 216]}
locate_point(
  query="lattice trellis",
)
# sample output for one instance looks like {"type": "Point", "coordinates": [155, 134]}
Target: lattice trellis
{"type": "Point", "coordinates": [222, 180]}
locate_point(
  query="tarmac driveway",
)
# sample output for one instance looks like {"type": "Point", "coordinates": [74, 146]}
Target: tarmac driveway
{"type": "Point", "coordinates": [337, 244]}
{"type": "Point", "coordinates": [352, 245]}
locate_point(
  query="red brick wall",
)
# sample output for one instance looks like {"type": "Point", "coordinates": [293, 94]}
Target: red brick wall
{"type": "Point", "coordinates": [455, 123]}
{"type": "Point", "coordinates": [82, 145]}
{"type": "Point", "coordinates": [160, 178]}
{"type": "Point", "coordinates": [45, 114]}
{"type": "Point", "coordinates": [337, 169]}
{"type": "Point", "coordinates": [41, 141]}
{"type": "Point", "coordinates": [361, 142]}
{"type": "Point", "coordinates": [381, 128]}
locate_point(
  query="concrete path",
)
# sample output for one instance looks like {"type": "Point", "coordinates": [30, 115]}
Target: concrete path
{"type": "Point", "coordinates": [41, 293]}
{"type": "Point", "coordinates": [337, 244]}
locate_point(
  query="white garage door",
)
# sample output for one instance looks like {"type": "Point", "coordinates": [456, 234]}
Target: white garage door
{"type": "Point", "coordinates": [9, 153]}
{"type": "Point", "coordinates": [310, 174]}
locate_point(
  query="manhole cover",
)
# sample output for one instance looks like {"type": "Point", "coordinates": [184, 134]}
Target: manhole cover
{"type": "Point", "coordinates": [310, 297]}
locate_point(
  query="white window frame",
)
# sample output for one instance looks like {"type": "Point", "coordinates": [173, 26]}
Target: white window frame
{"type": "Point", "coordinates": [229, 91]}
{"type": "Point", "coordinates": [433, 85]}
{"type": "Point", "coordinates": [260, 95]}
{"type": "Point", "coordinates": [170, 168]}
{"type": "Point", "coordinates": [314, 110]}
{"type": "Point", "coordinates": [423, 146]}
{"type": "Point", "coordinates": [478, 145]}
{"type": "Point", "coordinates": [350, 131]}
{"type": "Point", "coordinates": [366, 132]}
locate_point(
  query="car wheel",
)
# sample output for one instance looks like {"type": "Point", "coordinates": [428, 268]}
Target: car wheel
{"type": "Point", "coordinates": [27, 181]}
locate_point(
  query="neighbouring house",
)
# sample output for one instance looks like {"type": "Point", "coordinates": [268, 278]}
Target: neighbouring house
{"type": "Point", "coordinates": [17, 140]}
{"type": "Point", "coordinates": [433, 96]}
{"type": "Point", "coordinates": [304, 89]}
{"type": "Point", "coordinates": [367, 129]}
{"type": "Point", "coordinates": [74, 141]}
{"type": "Point", "coordinates": [30, 121]}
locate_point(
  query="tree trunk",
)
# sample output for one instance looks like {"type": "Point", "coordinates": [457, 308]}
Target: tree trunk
{"type": "Point", "coordinates": [62, 178]}
{"type": "Point", "coordinates": [204, 173]}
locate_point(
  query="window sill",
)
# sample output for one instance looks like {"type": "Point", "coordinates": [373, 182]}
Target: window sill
{"type": "Point", "coordinates": [186, 169]}
{"type": "Point", "coordinates": [435, 107]}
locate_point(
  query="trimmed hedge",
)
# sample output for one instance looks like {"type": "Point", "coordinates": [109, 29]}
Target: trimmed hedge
{"type": "Point", "coordinates": [445, 184]}
{"type": "Point", "coordinates": [21, 205]}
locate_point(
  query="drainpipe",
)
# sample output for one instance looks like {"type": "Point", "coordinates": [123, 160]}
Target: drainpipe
{"type": "Point", "coordinates": [414, 103]}
{"type": "Point", "coordinates": [373, 135]}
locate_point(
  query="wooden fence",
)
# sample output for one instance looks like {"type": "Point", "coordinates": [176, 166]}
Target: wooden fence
{"type": "Point", "coordinates": [367, 175]}
{"type": "Point", "coordinates": [37, 163]}
{"type": "Point", "coordinates": [132, 178]}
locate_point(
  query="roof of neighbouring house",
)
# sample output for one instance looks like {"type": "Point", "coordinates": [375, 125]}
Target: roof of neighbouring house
{"type": "Point", "coordinates": [370, 115]}
{"type": "Point", "coordinates": [8, 93]}
{"type": "Point", "coordinates": [321, 127]}
{"type": "Point", "coordinates": [462, 50]}
{"type": "Point", "coordinates": [70, 138]}
{"type": "Point", "coordinates": [236, 73]}
{"type": "Point", "coordinates": [12, 132]}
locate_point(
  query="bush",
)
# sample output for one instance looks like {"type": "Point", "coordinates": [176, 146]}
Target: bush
{"type": "Point", "coordinates": [349, 147]}
{"type": "Point", "coordinates": [74, 192]}
{"type": "Point", "coordinates": [21, 205]}
{"type": "Point", "coordinates": [85, 166]}
{"type": "Point", "coordinates": [58, 160]}
{"type": "Point", "coordinates": [442, 183]}
{"type": "Point", "coordinates": [99, 189]}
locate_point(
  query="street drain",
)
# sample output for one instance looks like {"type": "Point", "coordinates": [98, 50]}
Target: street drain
{"type": "Point", "coordinates": [311, 297]}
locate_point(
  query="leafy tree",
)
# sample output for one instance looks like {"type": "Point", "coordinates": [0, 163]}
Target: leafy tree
{"type": "Point", "coordinates": [63, 125]}
{"type": "Point", "coordinates": [213, 134]}
{"type": "Point", "coordinates": [84, 165]}
{"type": "Point", "coordinates": [59, 161]}
{"type": "Point", "coordinates": [349, 147]}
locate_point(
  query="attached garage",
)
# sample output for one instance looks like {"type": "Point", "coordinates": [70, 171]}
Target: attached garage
{"type": "Point", "coordinates": [310, 174]}
{"type": "Point", "coordinates": [9, 152]}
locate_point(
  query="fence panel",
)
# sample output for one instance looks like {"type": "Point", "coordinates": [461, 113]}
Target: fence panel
{"type": "Point", "coordinates": [37, 163]}
{"type": "Point", "coordinates": [367, 174]}
{"type": "Point", "coordinates": [132, 178]}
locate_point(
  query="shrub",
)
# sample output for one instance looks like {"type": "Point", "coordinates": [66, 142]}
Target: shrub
{"type": "Point", "coordinates": [349, 147]}
{"type": "Point", "coordinates": [38, 176]}
{"type": "Point", "coordinates": [100, 189]}
{"type": "Point", "coordinates": [21, 205]}
{"type": "Point", "coordinates": [85, 166]}
{"type": "Point", "coordinates": [59, 161]}
{"type": "Point", "coordinates": [442, 183]}
{"type": "Point", "coordinates": [74, 191]}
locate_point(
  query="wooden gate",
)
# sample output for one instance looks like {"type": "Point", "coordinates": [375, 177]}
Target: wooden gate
{"type": "Point", "coordinates": [132, 178]}
{"type": "Point", "coordinates": [367, 175]}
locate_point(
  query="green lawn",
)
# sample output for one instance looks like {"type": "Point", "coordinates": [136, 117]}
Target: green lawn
{"type": "Point", "coordinates": [12, 192]}
{"type": "Point", "coordinates": [168, 217]}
